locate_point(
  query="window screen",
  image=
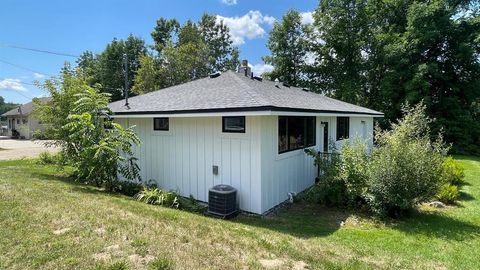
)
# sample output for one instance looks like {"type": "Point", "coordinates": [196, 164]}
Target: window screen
{"type": "Point", "coordinates": [234, 124]}
{"type": "Point", "coordinates": [160, 123]}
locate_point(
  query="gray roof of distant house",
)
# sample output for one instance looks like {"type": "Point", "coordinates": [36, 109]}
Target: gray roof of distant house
{"type": "Point", "coordinates": [233, 91]}
{"type": "Point", "coordinates": [25, 109]}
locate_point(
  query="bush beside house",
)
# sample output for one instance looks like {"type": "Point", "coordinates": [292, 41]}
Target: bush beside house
{"type": "Point", "coordinates": [405, 169]}
{"type": "Point", "coordinates": [78, 120]}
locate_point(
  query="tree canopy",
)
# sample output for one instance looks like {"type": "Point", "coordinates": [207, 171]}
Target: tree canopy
{"type": "Point", "coordinates": [6, 106]}
{"type": "Point", "coordinates": [288, 46]}
{"type": "Point", "coordinates": [382, 54]}
{"type": "Point", "coordinates": [106, 68]}
{"type": "Point", "coordinates": [185, 52]}
{"type": "Point", "coordinates": [180, 53]}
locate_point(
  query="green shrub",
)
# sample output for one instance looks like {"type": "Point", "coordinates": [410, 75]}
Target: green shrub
{"type": "Point", "coordinates": [128, 188]}
{"type": "Point", "coordinates": [329, 189]}
{"type": "Point", "coordinates": [448, 193]}
{"type": "Point", "coordinates": [46, 158]}
{"type": "Point", "coordinates": [162, 264]}
{"type": "Point", "coordinates": [190, 204]}
{"type": "Point", "coordinates": [39, 135]}
{"type": "Point", "coordinates": [452, 173]}
{"type": "Point", "coordinates": [158, 197]}
{"type": "Point", "coordinates": [343, 176]}
{"type": "Point", "coordinates": [353, 171]}
{"type": "Point", "coordinates": [328, 192]}
{"type": "Point", "coordinates": [76, 120]}
{"type": "Point", "coordinates": [120, 265]}
{"type": "Point", "coordinates": [406, 167]}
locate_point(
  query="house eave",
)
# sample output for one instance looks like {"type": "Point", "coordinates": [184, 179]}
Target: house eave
{"type": "Point", "coordinates": [247, 111]}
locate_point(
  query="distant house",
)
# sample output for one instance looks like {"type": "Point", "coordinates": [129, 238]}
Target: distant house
{"type": "Point", "coordinates": [239, 130]}
{"type": "Point", "coordinates": [21, 122]}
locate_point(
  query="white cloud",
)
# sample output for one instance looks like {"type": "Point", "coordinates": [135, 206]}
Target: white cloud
{"type": "Point", "coordinates": [269, 19]}
{"type": "Point", "coordinates": [306, 18]}
{"type": "Point", "coordinates": [259, 69]}
{"type": "Point", "coordinates": [229, 2]}
{"type": "Point", "coordinates": [247, 26]}
{"type": "Point", "coordinates": [38, 75]}
{"type": "Point", "coordinates": [13, 84]}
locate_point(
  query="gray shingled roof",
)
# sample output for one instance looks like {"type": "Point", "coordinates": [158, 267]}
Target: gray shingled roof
{"type": "Point", "coordinates": [25, 109]}
{"type": "Point", "coordinates": [233, 91]}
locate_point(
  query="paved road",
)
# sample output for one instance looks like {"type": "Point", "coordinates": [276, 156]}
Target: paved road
{"type": "Point", "coordinates": [16, 149]}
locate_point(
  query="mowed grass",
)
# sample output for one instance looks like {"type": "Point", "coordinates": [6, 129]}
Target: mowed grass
{"type": "Point", "coordinates": [50, 222]}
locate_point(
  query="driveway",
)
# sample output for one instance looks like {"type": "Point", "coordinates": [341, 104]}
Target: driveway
{"type": "Point", "coordinates": [16, 149]}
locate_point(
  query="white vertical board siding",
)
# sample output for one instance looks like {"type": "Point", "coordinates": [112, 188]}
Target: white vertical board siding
{"type": "Point", "coordinates": [360, 128]}
{"type": "Point", "coordinates": [283, 173]}
{"type": "Point", "coordinates": [295, 171]}
{"type": "Point", "coordinates": [181, 159]}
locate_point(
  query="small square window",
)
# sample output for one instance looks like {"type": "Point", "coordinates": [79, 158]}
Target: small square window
{"type": "Point", "coordinates": [233, 124]}
{"type": "Point", "coordinates": [160, 123]}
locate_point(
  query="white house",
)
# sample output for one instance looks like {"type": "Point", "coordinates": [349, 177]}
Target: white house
{"type": "Point", "coordinates": [21, 122]}
{"type": "Point", "coordinates": [239, 130]}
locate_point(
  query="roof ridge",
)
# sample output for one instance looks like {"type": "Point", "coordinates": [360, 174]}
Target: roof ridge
{"type": "Point", "coordinates": [249, 90]}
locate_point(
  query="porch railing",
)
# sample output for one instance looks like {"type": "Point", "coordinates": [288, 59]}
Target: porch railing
{"type": "Point", "coordinates": [324, 159]}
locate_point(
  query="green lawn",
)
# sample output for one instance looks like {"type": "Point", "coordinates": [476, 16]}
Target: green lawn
{"type": "Point", "coordinates": [48, 222]}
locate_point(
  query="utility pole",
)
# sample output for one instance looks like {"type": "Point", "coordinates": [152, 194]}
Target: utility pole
{"type": "Point", "coordinates": [125, 75]}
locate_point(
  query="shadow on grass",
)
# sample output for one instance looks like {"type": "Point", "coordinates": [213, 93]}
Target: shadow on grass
{"type": "Point", "coordinates": [299, 220]}
{"type": "Point", "coordinates": [465, 196]}
{"type": "Point", "coordinates": [438, 225]}
{"type": "Point", "coordinates": [75, 185]}
{"type": "Point", "coordinates": [307, 221]}
{"type": "Point", "coordinates": [467, 158]}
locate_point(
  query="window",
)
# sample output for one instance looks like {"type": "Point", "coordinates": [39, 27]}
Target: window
{"type": "Point", "coordinates": [325, 136]}
{"type": "Point", "coordinates": [160, 123]}
{"type": "Point", "coordinates": [343, 128]}
{"type": "Point", "coordinates": [295, 132]}
{"type": "Point", "coordinates": [234, 124]}
{"type": "Point", "coordinates": [24, 121]}
{"type": "Point", "coordinates": [18, 121]}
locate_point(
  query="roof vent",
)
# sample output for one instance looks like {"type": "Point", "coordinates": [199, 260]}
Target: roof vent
{"type": "Point", "coordinates": [286, 84]}
{"type": "Point", "coordinates": [305, 89]}
{"type": "Point", "coordinates": [215, 75]}
{"type": "Point", "coordinates": [277, 82]}
{"type": "Point", "coordinates": [258, 78]}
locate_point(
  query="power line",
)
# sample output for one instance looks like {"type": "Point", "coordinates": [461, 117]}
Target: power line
{"type": "Point", "coordinates": [25, 96]}
{"type": "Point", "coordinates": [55, 53]}
{"type": "Point", "coordinates": [25, 68]}
{"type": "Point", "coordinates": [38, 50]}
{"type": "Point", "coordinates": [20, 93]}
